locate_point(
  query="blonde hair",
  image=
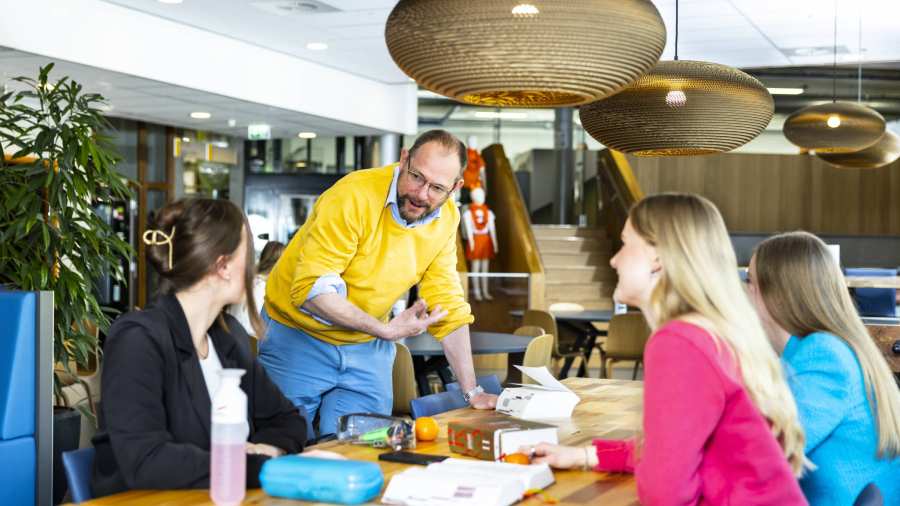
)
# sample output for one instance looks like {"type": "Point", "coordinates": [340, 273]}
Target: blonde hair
{"type": "Point", "coordinates": [700, 276]}
{"type": "Point", "coordinates": [804, 291]}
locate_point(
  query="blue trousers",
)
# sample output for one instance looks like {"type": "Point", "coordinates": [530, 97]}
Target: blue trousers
{"type": "Point", "coordinates": [328, 379]}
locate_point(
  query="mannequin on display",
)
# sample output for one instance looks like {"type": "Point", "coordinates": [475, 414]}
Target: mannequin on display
{"type": "Point", "coordinates": [473, 176]}
{"type": "Point", "coordinates": [481, 241]}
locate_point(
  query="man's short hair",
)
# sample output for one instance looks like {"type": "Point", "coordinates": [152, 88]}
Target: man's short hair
{"type": "Point", "coordinates": [447, 140]}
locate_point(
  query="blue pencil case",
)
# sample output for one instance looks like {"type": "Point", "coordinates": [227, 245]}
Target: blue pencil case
{"type": "Point", "coordinates": [321, 480]}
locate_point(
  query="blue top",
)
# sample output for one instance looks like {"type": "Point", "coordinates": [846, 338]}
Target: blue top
{"type": "Point", "coordinates": [841, 435]}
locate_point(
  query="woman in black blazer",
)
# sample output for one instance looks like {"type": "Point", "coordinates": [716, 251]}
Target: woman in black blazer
{"type": "Point", "coordinates": [155, 415]}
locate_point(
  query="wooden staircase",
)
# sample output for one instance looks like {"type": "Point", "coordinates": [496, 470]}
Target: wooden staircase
{"type": "Point", "coordinates": [576, 265]}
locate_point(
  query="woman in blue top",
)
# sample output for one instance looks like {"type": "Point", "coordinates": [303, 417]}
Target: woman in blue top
{"type": "Point", "coordinates": [848, 400]}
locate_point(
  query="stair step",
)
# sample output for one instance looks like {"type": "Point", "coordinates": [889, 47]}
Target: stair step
{"type": "Point", "coordinates": [572, 245]}
{"type": "Point", "coordinates": [579, 259]}
{"type": "Point", "coordinates": [579, 273]}
{"type": "Point", "coordinates": [550, 231]}
{"type": "Point", "coordinates": [579, 290]}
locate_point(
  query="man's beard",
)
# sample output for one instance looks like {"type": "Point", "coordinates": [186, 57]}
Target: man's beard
{"type": "Point", "coordinates": [401, 203]}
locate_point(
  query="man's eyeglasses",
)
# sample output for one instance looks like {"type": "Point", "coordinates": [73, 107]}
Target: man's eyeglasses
{"type": "Point", "coordinates": [435, 191]}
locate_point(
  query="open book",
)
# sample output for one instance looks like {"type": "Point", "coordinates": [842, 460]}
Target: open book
{"type": "Point", "coordinates": [458, 482]}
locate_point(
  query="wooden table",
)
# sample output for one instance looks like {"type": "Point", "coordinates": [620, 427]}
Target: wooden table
{"type": "Point", "coordinates": [428, 355]}
{"type": "Point", "coordinates": [887, 336]}
{"type": "Point", "coordinates": [873, 282]}
{"type": "Point", "coordinates": [608, 408]}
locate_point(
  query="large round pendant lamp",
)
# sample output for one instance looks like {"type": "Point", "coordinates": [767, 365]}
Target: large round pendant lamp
{"type": "Point", "coordinates": [682, 108]}
{"type": "Point", "coordinates": [883, 152]}
{"type": "Point", "coordinates": [835, 127]}
{"type": "Point", "coordinates": [517, 54]}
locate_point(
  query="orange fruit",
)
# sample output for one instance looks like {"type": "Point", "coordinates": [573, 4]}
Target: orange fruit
{"type": "Point", "coordinates": [427, 429]}
{"type": "Point", "coordinates": [517, 458]}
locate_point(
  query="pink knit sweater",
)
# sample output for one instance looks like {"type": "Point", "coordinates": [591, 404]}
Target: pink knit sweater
{"type": "Point", "coordinates": [704, 441]}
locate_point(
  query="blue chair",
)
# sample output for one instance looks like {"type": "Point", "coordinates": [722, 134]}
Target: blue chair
{"type": "Point", "coordinates": [870, 496]}
{"type": "Point", "coordinates": [490, 384]}
{"type": "Point", "coordinates": [874, 301]}
{"type": "Point", "coordinates": [79, 465]}
{"type": "Point", "coordinates": [435, 404]}
{"type": "Point", "coordinates": [20, 428]}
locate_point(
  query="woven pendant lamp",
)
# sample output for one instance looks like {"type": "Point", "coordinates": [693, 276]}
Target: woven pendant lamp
{"type": "Point", "coordinates": [883, 152]}
{"type": "Point", "coordinates": [514, 54]}
{"type": "Point", "coordinates": [838, 127]}
{"type": "Point", "coordinates": [682, 108]}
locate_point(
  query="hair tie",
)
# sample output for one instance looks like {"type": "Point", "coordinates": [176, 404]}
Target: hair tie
{"type": "Point", "coordinates": [154, 240]}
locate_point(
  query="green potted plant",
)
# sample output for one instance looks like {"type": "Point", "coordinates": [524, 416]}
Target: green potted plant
{"type": "Point", "coordinates": [57, 166]}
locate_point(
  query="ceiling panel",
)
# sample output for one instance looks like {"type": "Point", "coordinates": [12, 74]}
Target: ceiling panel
{"type": "Point", "coordinates": [167, 104]}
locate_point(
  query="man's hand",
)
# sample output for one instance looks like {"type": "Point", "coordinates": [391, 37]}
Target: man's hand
{"type": "Point", "coordinates": [483, 401]}
{"type": "Point", "coordinates": [412, 322]}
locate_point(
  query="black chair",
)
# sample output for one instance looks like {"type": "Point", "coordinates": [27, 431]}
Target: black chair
{"type": "Point", "coordinates": [870, 496]}
{"type": "Point", "coordinates": [78, 465]}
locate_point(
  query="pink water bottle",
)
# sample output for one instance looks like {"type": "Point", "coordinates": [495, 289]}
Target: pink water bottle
{"type": "Point", "coordinates": [228, 458]}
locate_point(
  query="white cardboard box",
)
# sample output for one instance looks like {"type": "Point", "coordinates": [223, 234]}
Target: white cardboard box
{"type": "Point", "coordinates": [548, 400]}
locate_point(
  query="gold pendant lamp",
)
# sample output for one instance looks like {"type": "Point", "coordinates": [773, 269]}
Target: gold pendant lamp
{"type": "Point", "coordinates": [883, 152]}
{"type": "Point", "coordinates": [515, 54]}
{"type": "Point", "coordinates": [681, 108]}
{"type": "Point", "coordinates": [838, 127]}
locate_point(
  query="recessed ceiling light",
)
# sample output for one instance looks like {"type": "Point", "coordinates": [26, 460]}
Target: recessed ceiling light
{"type": "Point", "coordinates": [317, 46]}
{"type": "Point", "coordinates": [232, 122]}
{"type": "Point", "coordinates": [307, 135]}
{"type": "Point", "coordinates": [785, 91]}
{"type": "Point", "coordinates": [201, 115]}
{"type": "Point", "coordinates": [185, 139]}
{"type": "Point", "coordinates": [172, 2]}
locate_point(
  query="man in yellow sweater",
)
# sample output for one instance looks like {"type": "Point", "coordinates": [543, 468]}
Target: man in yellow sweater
{"type": "Point", "coordinates": [370, 238]}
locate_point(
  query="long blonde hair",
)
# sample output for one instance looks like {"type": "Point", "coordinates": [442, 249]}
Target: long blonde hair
{"type": "Point", "coordinates": [805, 292]}
{"type": "Point", "coordinates": [700, 276]}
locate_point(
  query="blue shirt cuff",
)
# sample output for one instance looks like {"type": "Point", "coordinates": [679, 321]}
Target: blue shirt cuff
{"type": "Point", "coordinates": [329, 283]}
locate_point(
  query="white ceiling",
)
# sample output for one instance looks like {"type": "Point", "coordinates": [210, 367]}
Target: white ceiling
{"type": "Point", "coordinates": [168, 104]}
{"type": "Point", "coordinates": [354, 31]}
{"type": "Point", "coordinates": [741, 33]}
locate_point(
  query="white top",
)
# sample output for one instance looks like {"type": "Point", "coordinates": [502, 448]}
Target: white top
{"type": "Point", "coordinates": [239, 311]}
{"type": "Point", "coordinates": [211, 367]}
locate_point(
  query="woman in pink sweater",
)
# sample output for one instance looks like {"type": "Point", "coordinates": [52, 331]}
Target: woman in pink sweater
{"type": "Point", "coordinates": [720, 425]}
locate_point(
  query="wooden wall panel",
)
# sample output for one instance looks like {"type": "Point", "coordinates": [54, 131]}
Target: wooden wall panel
{"type": "Point", "coordinates": [770, 193]}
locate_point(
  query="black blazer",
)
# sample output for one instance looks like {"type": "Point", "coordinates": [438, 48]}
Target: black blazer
{"type": "Point", "coordinates": [155, 415]}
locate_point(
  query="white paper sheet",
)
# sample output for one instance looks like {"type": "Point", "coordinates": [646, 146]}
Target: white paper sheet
{"type": "Point", "coordinates": [544, 377]}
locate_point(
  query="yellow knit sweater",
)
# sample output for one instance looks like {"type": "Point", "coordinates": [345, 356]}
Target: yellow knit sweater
{"type": "Point", "coordinates": [351, 233]}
